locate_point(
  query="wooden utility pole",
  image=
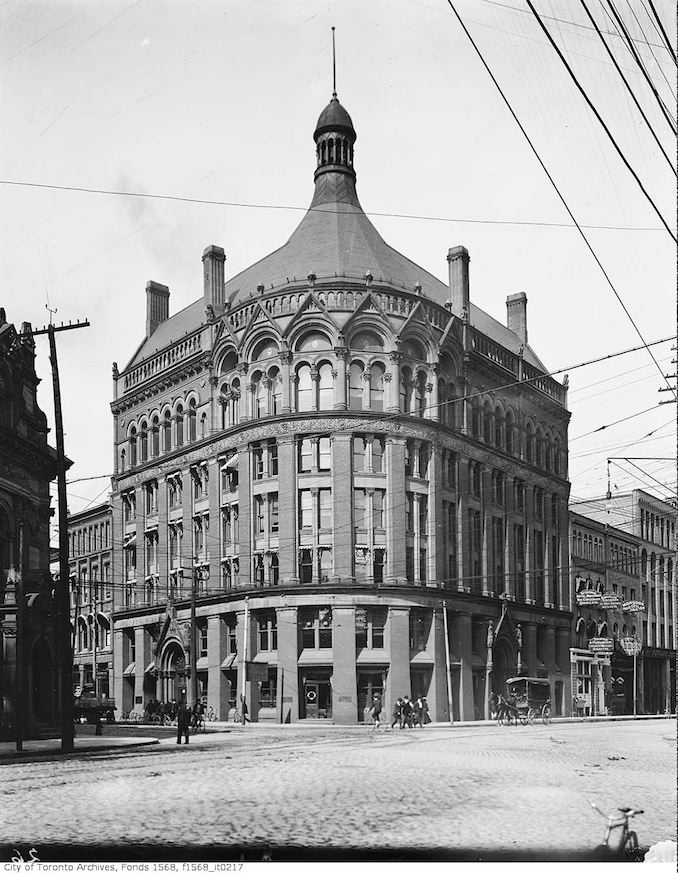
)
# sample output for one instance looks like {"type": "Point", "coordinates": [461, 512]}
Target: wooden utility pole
{"type": "Point", "coordinates": [62, 594]}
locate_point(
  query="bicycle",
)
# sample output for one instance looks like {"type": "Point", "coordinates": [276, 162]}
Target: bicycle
{"type": "Point", "coordinates": [625, 845]}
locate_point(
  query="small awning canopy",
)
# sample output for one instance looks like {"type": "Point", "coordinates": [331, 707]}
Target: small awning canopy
{"type": "Point", "coordinates": [201, 664]}
{"type": "Point", "coordinates": [129, 669]}
{"type": "Point", "coordinates": [150, 667]}
{"type": "Point", "coordinates": [130, 541]}
{"type": "Point", "coordinates": [270, 658]}
{"type": "Point", "coordinates": [422, 658]}
{"type": "Point", "coordinates": [228, 661]}
{"type": "Point", "coordinates": [232, 463]}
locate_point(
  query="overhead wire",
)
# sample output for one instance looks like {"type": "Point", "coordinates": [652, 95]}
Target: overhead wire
{"type": "Point", "coordinates": [618, 22]}
{"type": "Point", "coordinates": [558, 192]}
{"type": "Point", "coordinates": [598, 116]}
{"type": "Point", "coordinates": [629, 89]}
{"type": "Point", "coordinates": [321, 209]}
{"type": "Point", "coordinates": [654, 58]}
{"type": "Point", "coordinates": [667, 42]}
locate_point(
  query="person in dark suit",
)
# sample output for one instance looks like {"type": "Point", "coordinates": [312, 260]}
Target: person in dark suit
{"type": "Point", "coordinates": [406, 711]}
{"type": "Point", "coordinates": [397, 712]}
{"type": "Point", "coordinates": [183, 723]}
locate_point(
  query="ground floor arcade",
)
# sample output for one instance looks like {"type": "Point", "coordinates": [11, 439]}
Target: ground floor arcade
{"type": "Point", "coordinates": [324, 656]}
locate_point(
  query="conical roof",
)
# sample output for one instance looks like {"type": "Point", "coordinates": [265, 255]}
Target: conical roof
{"type": "Point", "coordinates": [334, 117]}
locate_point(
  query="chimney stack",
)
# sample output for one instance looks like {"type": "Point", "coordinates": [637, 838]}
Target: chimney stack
{"type": "Point", "coordinates": [157, 305]}
{"type": "Point", "coordinates": [516, 315]}
{"type": "Point", "coordinates": [213, 272]}
{"type": "Point", "coordinates": [458, 260]}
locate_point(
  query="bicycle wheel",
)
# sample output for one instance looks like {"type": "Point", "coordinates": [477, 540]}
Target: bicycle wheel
{"type": "Point", "coordinates": [632, 851]}
{"type": "Point", "coordinates": [546, 714]}
{"type": "Point", "coordinates": [237, 717]}
{"type": "Point", "coordinates": [531, 715]}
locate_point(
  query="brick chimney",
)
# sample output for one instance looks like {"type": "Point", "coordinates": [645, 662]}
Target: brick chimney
{"type": "Point", "coordinates": [458, 261]}
{"type": "Point", "coordinates": [213, 272]}
{"type": "Point", "coordinates": [516, 315]}
{"type": "Point", "coordinates": [157, 305]}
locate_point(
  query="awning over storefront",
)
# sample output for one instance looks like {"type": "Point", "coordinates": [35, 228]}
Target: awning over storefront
{"type": "Point", "coordinates": [422, 658]}
{"type": "Point", "coordinates": [316, 656]}
{"type": "Point", "coordinates": [228, 662]}
{"type": "Point", "coordinates": [372, 656]}
{"type": "Point", "coordinates": [129, 541]}
{"type": "Point", "coordinates": [270, 658]}
{"type": "Point", "coordinates": [129, 669]}
{"type": "Point", "coordinates": [150, 667]}
{"type": "Point", "coordinates": [232, 463]}
{"type": "Point", "coordinates": [202, 664]}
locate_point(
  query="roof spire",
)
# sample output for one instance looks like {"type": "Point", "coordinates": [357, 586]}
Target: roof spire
{"type": "Point", "coordinates": [334, 68]}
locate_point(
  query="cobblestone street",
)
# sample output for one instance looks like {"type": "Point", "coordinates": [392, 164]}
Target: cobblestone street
{"type": "Point", "coordinates": [483, 791]}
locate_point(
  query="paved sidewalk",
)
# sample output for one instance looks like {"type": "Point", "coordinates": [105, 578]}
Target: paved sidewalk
{"type": "Point", "coordinates": [52, 747]}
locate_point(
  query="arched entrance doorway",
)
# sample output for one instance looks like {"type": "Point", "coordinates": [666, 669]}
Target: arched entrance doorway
{"type": "Point", "coordinates": [173, 673]}
{"type": "Point", "coordinates": [43, 686]}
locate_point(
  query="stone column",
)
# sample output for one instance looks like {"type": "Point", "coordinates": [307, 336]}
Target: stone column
{"type": "Point", "coordinates": [342, 507]}
{"type": "Point", "coordinates": [399, 653]}
{"type": "Point", "coordinates": [288, 670]}
{"type": "Point", "coordinates": [214, 538]}
{"type": "Point", "coordinates": [143, 655]}
{"type": "Point", "coordinates": [244, 399]}
{"type": "Point", "coordinates": [286, 360]}
{"type": "Point", "coordinates": [395, 510]}
{"type": "Point", "coordinates": [432, 387]}
{"type": "Point", "coordinates": [437, 699]}
{"type": "Point", "coordinates": [218, 686]}
{"type": "Point", "coordinates": [530, 647]}
{"type": "Point", "coordinates": [394, 401]}
{"type": "Point", "coordinates": [437, 558]}
{"type": "Point", "coordinates": [463, 552]}
{"type": "Point", "coordinates": [287, 512]}
{"type": "Point", "coordinates": [122, 696]}
{"type": "Point", "coordinates": [340, 382]}
{"type": "Point", "coordinates": [461, 630]}
{"type": "Point", "coordinates": [485, 521]}
{"type": "Point", "coordinates": [344, 684]}
{"type": "Point", "coordinates": [245, 515]}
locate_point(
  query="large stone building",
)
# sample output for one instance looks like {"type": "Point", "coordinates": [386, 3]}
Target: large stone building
{"type": "Point", "coordinates": [344, 455]}
{"type": "Point", "coordinates": [90, 552]}
{"type": "Point", "coordinates": [643, 576]}
{"type": "Point", "coordinates": [29, 653]}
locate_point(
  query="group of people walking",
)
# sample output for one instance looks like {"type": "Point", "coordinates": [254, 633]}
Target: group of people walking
{"type": "Point", "coordinates": [406, 712]}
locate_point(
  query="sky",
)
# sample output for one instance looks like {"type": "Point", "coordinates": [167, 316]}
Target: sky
{"type": "Point", "coordinates": [218, 101]}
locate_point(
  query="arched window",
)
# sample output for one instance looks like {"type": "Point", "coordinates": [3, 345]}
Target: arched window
{"type": "Point", "coordinates": [529, 443]}
{"type": "Point", "coordinates": [498, 428]}
{"type": "Point", "coordinates": [377, 372]}
{"type": "Point", "coordinates": [421, 394]}
{"type": "Point", "coordinates": [355, 386]}
{"type": "Point", "coordinates": [487, 422]}
{"type": "Point", "coordinates": [539, 447]}
{"type": "Point", "coordinates": [155, 436]}
{"type": "Point", "coordinates": [179, 423]}
{"type": "Point", "coordinates": [167, 431]}
{"type": "Point", "coordinates": [191, 420]}
{"type": "Point", "coordinates": [510, 428]}
{"type": "Point", "coordinates": [259, 391]}
{"type": "Point", "coordinates": [133, 447]}
{"type": "Point", "coordinates": [405, 389]}
{"type": "Point", "coordinates": [274, 392]}
{"type": "Point", "coordinates": [476, 417]}
{"type": "Point", "coordinates": [304, 389]}
{"type": "Point", "coordinates": [325, 387]}
{"type": "Point", "coordinates": [143, 440]}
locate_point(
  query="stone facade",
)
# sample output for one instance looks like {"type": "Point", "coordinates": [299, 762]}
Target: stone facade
{"type": "Point", "coordinates": [334, 448]}
{"type": "Point", "coordinates": [628, 545]}
{"type": "Point", "coordinates": [90, 538]}
{"type": "Point", "coordinates": [29, 656]}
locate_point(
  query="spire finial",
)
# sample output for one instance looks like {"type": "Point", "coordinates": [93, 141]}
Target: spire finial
{"type": "Point", "coordinates": [334, 68]}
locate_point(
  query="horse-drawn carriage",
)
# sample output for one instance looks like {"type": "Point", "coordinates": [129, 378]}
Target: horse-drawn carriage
{"type": "Point", "coordinates": [527, 699]}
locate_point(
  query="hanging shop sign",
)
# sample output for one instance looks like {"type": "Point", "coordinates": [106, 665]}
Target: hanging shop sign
{"type": "Point", "coordinates": [589, 598]}
{"type": "Point", "coordinates": [633, 606]}
{"type": "Point", "coordinates": [601, 645]}
{"type": "Point", "coordinates": [611, 601]}
{"type": "Point", "coordinates": [631, 646]}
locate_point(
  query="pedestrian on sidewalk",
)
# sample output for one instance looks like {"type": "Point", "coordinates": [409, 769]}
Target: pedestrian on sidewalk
{"type": "Point", "coordinates": [397, 712]}
{"type": "Point", "coordinates": [425, 717]}
{"type": "Point", "coordinates": [418, 713]}
{"type": "Point", "coordinates": [375, 711]}
{"type": "Point", "coordinates": [183, 723]}
{"type": "Point", "coordinates": [406, 713]}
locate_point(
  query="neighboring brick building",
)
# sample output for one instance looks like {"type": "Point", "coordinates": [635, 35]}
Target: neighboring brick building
{"type": "Point", "coordinates": [650, 524]}
{"type": "Point", "coordinates": [90, 537]}
{"type": "Point", "coordinates": [336, 445]}
{"type": "Point", "coordinates": [29, 654]}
